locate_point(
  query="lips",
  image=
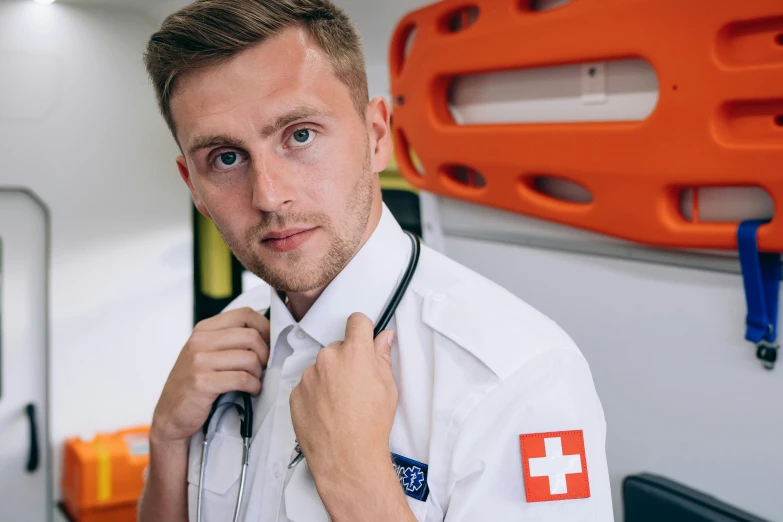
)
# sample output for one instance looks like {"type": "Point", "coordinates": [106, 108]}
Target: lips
{"type": "Point", "coordinates": [282, 234]}
{"type": "Point", "coordinates": [287, 240]}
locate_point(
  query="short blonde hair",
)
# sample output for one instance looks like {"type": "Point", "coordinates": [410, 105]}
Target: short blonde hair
{"type": "Point", "coordinates": [208, 32]}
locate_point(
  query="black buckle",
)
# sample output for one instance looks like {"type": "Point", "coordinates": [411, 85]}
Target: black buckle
{"type": "Point", "coordinates": [767, 353]}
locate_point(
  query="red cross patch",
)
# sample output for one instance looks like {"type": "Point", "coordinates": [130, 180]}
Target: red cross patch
{"type": "Point", "coordinates": [554, 466]}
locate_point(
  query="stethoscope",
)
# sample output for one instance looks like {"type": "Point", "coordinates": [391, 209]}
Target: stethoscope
{"type": "Point", "coordinates": [245, 412]}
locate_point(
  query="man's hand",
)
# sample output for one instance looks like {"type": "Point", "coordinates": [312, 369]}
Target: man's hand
{"type": "Point", "coordinates": [343, 410]}
{"type": "Point", "coordinates": [225, 353]}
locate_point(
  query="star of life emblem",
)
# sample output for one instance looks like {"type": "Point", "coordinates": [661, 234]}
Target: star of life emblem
{"type": "Point", "coordinates": [412, 476]}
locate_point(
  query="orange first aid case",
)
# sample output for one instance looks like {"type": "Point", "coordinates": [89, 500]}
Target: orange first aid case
{"type": "Point", "coordinates": [103, 478]}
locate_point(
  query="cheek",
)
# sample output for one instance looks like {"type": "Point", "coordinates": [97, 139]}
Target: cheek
{"type": "Point", "coordinates": [328, 176]}
{"type": "Point", "coordinates": [230, 208]}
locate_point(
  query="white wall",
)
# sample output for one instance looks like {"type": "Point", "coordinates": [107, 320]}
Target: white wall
{"type": "Point", "coordinates": [683, 393]}
{"type": "Point", "coordinates": [79, 127]}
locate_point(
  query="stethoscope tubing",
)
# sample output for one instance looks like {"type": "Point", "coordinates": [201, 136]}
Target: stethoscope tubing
{"type": "Point", "coordinates": [246, 416]}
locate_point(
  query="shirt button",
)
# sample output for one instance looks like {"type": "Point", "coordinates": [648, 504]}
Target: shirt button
{"type": "Point", "coordinates": [300, 334]}
{"type": "Point", "coordinates": [276, 470]}
{"type": "Point", "coordinates": [438, 298]}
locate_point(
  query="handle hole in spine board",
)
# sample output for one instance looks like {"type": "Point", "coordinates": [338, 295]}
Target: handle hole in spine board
{"type": "Point", "coordinates": [403, 45]}
{"type": "Point", "coordinates": [779, 120]}
{"type": "Point", "coordinates": [539, 6]}
{"type": "Point", "coordinates": [461, 19]}
{"type": "Point", "coordinates": [725, 204]}
{"type": "Point", "coordinates": [559, 189]}
{"type": "Point", "coordinates": [552, 94]}
{"type": "Point", "coordinates": [465, 176]}
{"type": "Point", "coordinates": [409, 156]}
{"type": "Point", "coordinates": [779, 39]}
{"type": "Point", "coordinates": [409, 42]}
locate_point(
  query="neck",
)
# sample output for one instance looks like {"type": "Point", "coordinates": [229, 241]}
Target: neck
{"type": "Point", "coordinates": [299, 303]}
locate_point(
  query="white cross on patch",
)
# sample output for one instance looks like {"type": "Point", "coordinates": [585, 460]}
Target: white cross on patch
{"type": "Point", "coordinates": [555, 466]}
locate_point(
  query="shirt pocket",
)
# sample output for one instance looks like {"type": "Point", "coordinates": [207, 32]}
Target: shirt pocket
{"type": "Point", "coordinates": [221, 476]}
{"type": "Point", "coordinates": [302, 503]}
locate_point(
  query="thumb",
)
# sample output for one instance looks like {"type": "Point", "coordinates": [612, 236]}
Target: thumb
{"type": "Point", "coordinates": [383, 345]}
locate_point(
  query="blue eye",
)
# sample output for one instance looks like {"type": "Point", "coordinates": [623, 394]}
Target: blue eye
{"type": "Point", "coordinates": [227, 160]}
{"type": "Point", "coordinates": [302, 137]}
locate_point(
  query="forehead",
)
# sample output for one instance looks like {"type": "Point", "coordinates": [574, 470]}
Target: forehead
{"type": "Point", "coordinates": [256, 86]}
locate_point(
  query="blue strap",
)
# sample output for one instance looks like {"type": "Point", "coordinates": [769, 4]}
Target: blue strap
{"type": "Point", "coordinates": [761, 274]}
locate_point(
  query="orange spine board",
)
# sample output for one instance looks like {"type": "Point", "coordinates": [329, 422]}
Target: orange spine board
{"type": "Point", "coordinates": [719, 65]}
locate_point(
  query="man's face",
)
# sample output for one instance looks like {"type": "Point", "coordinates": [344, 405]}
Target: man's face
{"type": "Point", "coordinates": [276, 154]}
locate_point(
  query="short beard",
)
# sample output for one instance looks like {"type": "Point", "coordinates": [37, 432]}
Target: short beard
{"type": "Point", "coordinates": [341, 249]}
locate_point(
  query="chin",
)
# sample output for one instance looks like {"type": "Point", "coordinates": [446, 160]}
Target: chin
{"type": "Point", "coordinates": [297, 282]}
{"type": "Point", "coordinates": [294, 275]}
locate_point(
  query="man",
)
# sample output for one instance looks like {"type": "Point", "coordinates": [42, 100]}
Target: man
{"type": "Point", "coordinates": [471, 406]}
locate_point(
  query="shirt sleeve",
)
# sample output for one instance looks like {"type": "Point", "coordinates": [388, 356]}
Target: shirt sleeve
{"type": "Point", "coordinates": [534, 448]}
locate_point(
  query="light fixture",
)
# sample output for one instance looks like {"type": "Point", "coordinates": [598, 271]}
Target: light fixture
{"type": "Point", "coordinates": [46, 2]}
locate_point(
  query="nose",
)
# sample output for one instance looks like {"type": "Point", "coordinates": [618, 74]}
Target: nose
{"type": "Point", "coordinates": [273, 189]}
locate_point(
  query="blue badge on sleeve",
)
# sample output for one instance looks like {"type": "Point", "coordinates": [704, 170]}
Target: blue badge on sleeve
{"type": "Point", "coordinates": [412, 476]}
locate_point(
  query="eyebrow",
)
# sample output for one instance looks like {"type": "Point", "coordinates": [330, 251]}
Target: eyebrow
{"type": "Point", "coordinates": [226, 140]}
{"type": "Point", "coordinates": [208, 142]}
{"type": "Point", "coordinates": [299, 113]}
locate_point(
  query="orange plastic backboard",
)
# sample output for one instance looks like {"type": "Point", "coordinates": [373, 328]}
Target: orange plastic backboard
{"type": "Point", "coordinates": [718, 121]}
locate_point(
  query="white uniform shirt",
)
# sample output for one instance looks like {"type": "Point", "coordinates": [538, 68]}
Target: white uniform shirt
{"type": "Point", "coordinates": [498, 418]}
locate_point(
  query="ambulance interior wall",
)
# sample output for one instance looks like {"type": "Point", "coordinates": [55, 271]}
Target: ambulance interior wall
{"type": "Point", "coordinates": [683, 393]}
{"type": "Point", "coordinates": [79, 127]}
{"type": "Point", "coordinates": [78, 123]}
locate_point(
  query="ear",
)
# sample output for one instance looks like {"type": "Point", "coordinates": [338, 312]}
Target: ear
{"type": "Point", "coordinates": [182, 165]}
{"type": "Point", "coordinates": [379, 127]}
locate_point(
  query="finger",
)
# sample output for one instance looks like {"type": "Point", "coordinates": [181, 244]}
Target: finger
{"type": "Point", "coordinates": [383, 345]}
{"type": "Point", "coordinates": [232, 339]}
{"type": "Point", "coordinates": [239, 318]}
{"type": "Point", "coordinates": [218, 383]}
{"type": "Point", "coordinates": [358, 329]}
{"type": "Point", "coordinates": [231, 360]}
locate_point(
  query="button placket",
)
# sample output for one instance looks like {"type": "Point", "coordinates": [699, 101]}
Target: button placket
{"type": "Point", "coordinates": [282, 439]}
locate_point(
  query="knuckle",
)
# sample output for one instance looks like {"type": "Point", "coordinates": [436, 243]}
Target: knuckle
{"type": "Point", "coordinates": [197, 381]}
{"type": "Point", "coordinates": [196, 340]}
{"type": "Point", "coordinates": [254, 364]}
{"type": "Point", "coordinates": [307, 376]}
{"type": "Point", "coordinates": [253, 383]}
{"type": "Point", "coordinates": [254, 337]}
{"type": "Point", "coordinates": [198, 360]}
{"type": "Point", "coordinates": [248, 313]}
{"type": "Point", "coordinates": [200, 326]}
{"type": "Point", "coordinates": [324, 356]}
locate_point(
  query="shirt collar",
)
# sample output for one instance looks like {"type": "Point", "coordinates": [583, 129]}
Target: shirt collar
{"type": "Point", "coordinates": [365, 285]}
